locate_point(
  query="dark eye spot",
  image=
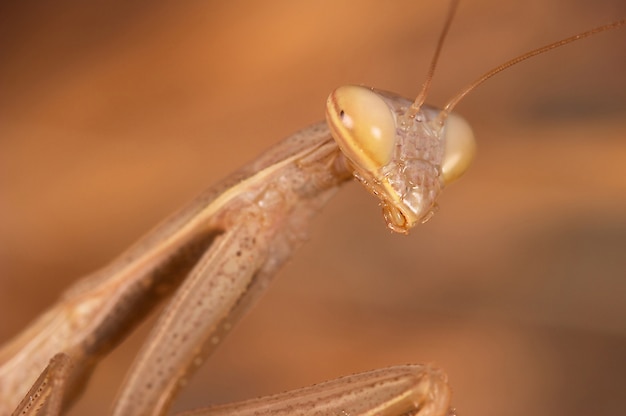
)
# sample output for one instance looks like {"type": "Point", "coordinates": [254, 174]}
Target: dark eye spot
{"type": "Point", "coordinates": [341, 113]}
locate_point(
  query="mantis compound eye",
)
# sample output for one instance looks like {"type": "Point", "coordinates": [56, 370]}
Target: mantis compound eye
{"type": "Point", "coordinates": [363, 126]}
{"type": "Point", "coordinates": [459, 148]}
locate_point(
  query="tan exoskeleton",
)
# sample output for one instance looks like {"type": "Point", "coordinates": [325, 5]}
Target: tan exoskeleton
{"type": "Point", "coordinates": [218, 254]}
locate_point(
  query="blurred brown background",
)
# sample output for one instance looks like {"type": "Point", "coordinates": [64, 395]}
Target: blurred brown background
{"type": "Point", "coordinates": [114, 114]}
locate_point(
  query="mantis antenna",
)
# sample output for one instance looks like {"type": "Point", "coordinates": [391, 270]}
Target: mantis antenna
{"type": "Point", "coordinates": [421, 97]}
{"type": "Point", "coordinates": [447, 109]}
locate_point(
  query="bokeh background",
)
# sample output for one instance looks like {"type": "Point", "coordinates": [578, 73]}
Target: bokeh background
{"type": "Point", "coordinates": [113, 114]}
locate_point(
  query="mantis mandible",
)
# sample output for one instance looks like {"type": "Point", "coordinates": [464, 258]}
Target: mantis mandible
{"type": "Point", "coordinates": [239, 233]}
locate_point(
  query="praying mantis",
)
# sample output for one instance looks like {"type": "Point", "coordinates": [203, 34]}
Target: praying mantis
{"type": "Point", "coordinates": [392, 216]}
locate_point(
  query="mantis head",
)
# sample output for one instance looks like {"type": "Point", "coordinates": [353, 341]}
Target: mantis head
{"type": "Point", "coordinates": [404, 159]}
{"type": "Point", "coordinates": [405, 153]}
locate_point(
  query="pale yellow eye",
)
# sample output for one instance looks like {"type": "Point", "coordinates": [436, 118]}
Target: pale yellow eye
{"type": "Point", "coordinates": [363, 126]}
{"type": "Point", "coordinates": [460, 148]}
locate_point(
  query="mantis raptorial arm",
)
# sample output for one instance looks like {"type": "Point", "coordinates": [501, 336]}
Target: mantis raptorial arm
{"type": "Point", "coordinates": [404, 390]}
{"type": "Point", "coordinates": [247, 245]}
{"type": "Point", "coordinates": [414, 390]}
